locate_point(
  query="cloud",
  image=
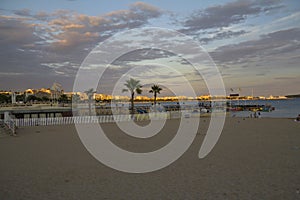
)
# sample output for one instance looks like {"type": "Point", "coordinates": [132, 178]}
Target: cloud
{"type": "Point", "coordinates": [147, 10]}
{"type": "Point", "coordinates": [286, 78]}
{"type": "Point", "coordinates": [215, 22]}
{"type": "Point", "coordinates": [76, 27]}
{"type": "Point", "coordinates": [257, 63]}
{"type": "Point", "coordinates": [23, 12]}
{"type": "Point", "coordinates": [65, 29]}
{"type": "Point", "coordinates": [221, 16]}
{"type": "Point", "coordinates": [27, 13]}
{"type": "Point", "coordinates": [16, 32]}
{"type": "Point", "coordinates": [222, 35]}
{"type": "Point", "coordinates": [142, 55]}
{"type": "Point", "coordinates": [55, 43]}
{"type": "Point", "coordinates": [71, 39]}
{"type": "Point", "coordinates": [268, 45]}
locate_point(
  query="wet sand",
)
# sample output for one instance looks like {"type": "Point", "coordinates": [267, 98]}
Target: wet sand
{"type": "Point", "coordinates": [253, 159]}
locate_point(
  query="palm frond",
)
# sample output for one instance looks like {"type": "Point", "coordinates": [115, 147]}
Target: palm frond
{"type": "Point", "coordinates": [138, 90]}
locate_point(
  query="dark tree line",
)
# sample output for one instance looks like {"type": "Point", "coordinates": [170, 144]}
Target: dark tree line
{"type": "Point", "coordinates": [5, 98]}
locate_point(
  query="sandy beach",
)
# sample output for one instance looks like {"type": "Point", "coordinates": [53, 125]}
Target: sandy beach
{"type": "Point", "coordinates": [253, 159]}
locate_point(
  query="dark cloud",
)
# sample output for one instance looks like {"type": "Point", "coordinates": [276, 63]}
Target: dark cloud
{"type": "Point", "coordinates": [286, 78]}
{"type": "Point", "coordinates": [212, 20]}
{"type": "Point", "coordinates": [222, 35]}
{"type": "Point", "coordinates": [269, 45]}
{"type": "Point", "coordinates": [38, 16]}
{"type": "Point", "coordinates": [23, 12]}
{"type": "Point", "coordinates": [142, 54]}
{"type": "Point", "coordinates": [15, 32]}
{"type": "Point", "coordinates": [221, 16]}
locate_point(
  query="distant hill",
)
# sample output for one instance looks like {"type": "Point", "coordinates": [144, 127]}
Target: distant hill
{"type": "Point", "coordinates": [293, 96]}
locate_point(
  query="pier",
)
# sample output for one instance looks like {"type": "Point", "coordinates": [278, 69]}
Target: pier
{"type": "Point", "coordinates": [37, 112]}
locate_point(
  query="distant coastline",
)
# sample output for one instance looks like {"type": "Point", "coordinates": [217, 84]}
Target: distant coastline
{"type": "Point", "coordinates": [293, 96]}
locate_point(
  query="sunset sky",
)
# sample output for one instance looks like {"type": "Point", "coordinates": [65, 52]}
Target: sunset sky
{"type": "Point", "coordinates": [255, 44]}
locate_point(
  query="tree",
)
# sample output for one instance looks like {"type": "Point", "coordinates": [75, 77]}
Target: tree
{"type": "Point", "coordinates": [90, 93]}
{"type": "Point", "coordinates": [132, 86]}
{"type": "Point", "coordinates": [4, 98]}
{"type": "Point", "coordinates": [45, 99]}
{"type": "Point", "coordinates": [63, 98]}
{"type": "Point", "coordinates": [32, 98]}
{"type": "Point", "coordinates": [20, 97]}
{"type": "Point", "coordinates": [155, 89]}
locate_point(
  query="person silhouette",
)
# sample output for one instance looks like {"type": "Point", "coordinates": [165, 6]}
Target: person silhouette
{"type": "Point", "coordinates": [298, 118]}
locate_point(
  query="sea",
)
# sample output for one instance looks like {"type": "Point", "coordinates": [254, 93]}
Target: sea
{"type": "Point", "coordinates": [284, 108]}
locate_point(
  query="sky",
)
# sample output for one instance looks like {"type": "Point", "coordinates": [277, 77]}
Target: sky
{"type": "Point", "coordinates": [254, 44]}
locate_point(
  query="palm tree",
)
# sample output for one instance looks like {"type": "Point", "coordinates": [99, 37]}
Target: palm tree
{"type": "Point", "coordinates": [155, 89]}
{"type": "Point", "coordinates": [132, 86]}
{"type": "Point", "coordinates": [90, 93]}
{"type": "Point", "coordinates": [63, 98]}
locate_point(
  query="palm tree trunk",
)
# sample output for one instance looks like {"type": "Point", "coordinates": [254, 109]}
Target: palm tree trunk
{"type": "Point", "coordinates": [155, 102]}
{"type": "Point", "coordinates": [132, 104]}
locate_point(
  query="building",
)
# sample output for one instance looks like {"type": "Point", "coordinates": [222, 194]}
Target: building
{"type": "Point", "coordinates": [56, 91]}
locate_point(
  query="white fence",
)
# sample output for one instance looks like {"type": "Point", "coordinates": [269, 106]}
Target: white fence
{"type": "Point", "coordinates": [88, 119]}
{"type": "Point", "coordinates": [9, 122]}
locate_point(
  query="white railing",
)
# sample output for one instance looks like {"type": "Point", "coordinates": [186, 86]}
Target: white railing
{"type": "Point", "coordinates": [98, 119]}
{"type": "Point", "coordinates": [88, 119]}
{"type": "Point", "coordinates": [9, 123]}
